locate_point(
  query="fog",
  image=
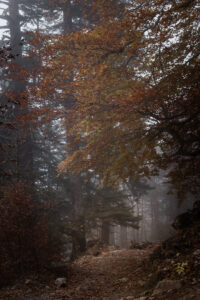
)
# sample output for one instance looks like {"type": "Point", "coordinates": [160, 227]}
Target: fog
{"type": "Point", "coordinates": [139, 200]}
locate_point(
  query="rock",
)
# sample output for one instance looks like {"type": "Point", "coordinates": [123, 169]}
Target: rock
{"type": "Point", "coordinates": [157, 292]}
{"type": "Point", "coordinates": [172, 262]}
{"type": "Point", "coordinates": [196, 252]}
{"type": "Point", "coordinates": [194, 281]}
{"type": "Point", "coordinates": [27, 281]}
{"type": "Point", "coordinates": [130, 298]}
{"type": "Point", "coordinates": [165, 285]}
{"type": "Point", "coordinates": [141, 282]}
{"type": "Point", "coordinates": [196, 263]}
{"type": "Point", "coordinates": [124, 279]}
{"type": "Point", "coordinates": [81, 287]}
{"type": "Point", "coordinates": [140, 298]}
{"type": "Point", "coordinates": [13, 287]}
{"type": "Point", "coordinates": [61, 282]}
{"type": "Point", "coordinates": [145, 293]}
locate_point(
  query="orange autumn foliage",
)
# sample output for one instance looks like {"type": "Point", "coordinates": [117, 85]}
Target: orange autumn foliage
{"type": "Point", "coordinates": [133, 77]}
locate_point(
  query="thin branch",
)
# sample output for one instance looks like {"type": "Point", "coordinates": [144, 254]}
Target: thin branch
{"type": "Point", "coordinates": [4, 2]}
{"type": "Point", "coordinates": [4, 27]}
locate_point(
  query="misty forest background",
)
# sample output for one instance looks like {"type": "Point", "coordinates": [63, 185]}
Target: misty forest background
{"type": "Point", "coordinates": [99, 128]}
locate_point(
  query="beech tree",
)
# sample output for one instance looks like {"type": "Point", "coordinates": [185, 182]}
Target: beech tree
{"type": "Point", "coordinates": [72, 19]}
{"type": "Point", "coordinates": [136, 89]}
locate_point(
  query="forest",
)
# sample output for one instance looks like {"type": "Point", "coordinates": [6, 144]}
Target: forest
{"type": "Point", "coordinates": [99, 149]}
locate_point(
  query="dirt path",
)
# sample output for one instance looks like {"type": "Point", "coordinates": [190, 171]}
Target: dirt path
{"type": "Point", "coordinates": [112, 275]}
{"type": "Point", "coordinates": [109, 276]}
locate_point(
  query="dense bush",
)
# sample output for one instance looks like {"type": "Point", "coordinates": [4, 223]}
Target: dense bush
{"type": "Point", "coordinates": [26, 242]}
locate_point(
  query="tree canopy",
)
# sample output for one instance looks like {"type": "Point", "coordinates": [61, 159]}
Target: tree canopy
{"type": "Point", "coordinates": [132, 76]}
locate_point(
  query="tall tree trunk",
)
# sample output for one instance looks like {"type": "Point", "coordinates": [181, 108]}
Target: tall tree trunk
{"type": "Point", "coordinates": [17, 87]}
{"type": "Point", "coordinates": [105, 232]}
{"type": "Point", "coordinates": [79, 238]}
{"type": "Point", "coordinates": [123, 236]}
{"type": "Point", "coordinates": [112, 235]}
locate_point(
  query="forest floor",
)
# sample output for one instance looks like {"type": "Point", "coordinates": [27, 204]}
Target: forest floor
{"type": "Point", "coordinates": [112, 275]}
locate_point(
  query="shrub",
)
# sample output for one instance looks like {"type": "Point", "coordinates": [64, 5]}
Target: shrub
{"type": "Point", "coordinates": [26, 242]}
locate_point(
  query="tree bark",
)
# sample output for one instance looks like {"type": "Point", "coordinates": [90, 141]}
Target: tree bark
{"type": "Point", "coordinates": [79, 237]}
